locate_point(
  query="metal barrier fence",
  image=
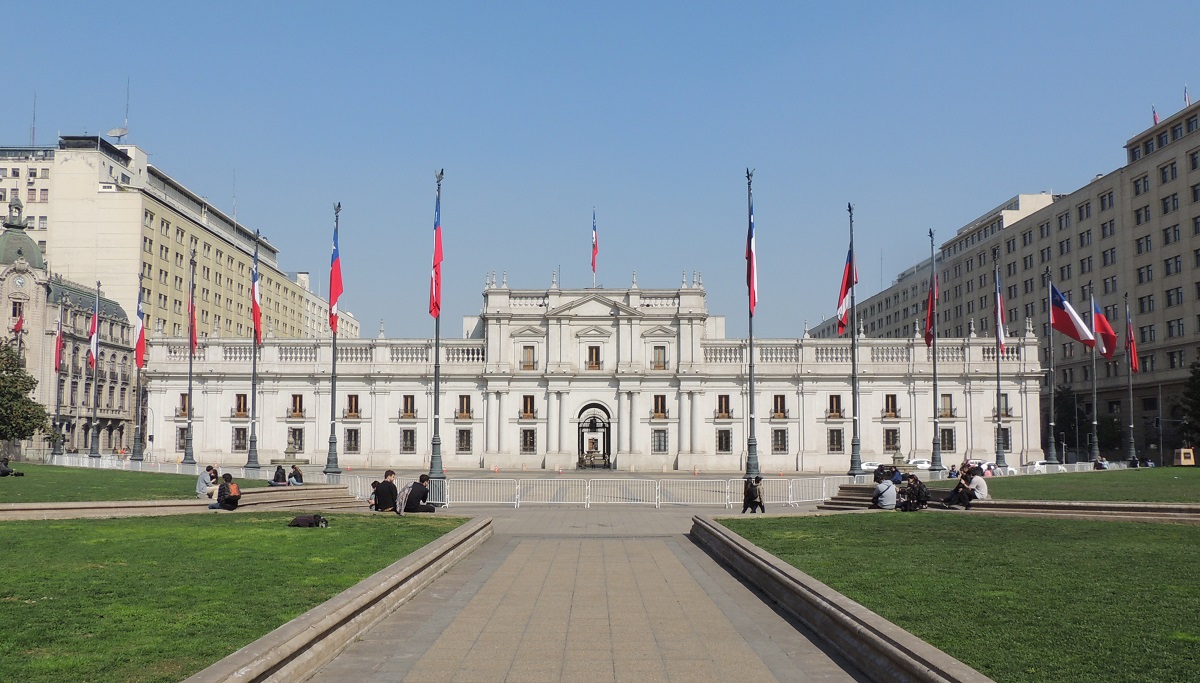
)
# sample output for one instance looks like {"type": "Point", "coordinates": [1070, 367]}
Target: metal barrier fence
{"type": "Point", "coordinates": [694, 492]}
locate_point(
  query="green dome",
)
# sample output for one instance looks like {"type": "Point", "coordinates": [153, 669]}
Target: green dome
{"type": "Point", "coordinates": [16, 243]}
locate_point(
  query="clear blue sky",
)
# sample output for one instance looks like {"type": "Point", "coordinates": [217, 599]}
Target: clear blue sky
{"type": "Point", "coordinates": [924, 115]}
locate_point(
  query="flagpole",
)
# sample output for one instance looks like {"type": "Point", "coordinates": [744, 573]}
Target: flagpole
{"type": "Point", "coordinates": [188, 454]}
{"type": "Point", "coordinates": [331, 460]}
{"type": "Point", "coordinates": [935, 463]}
{"type": "Point", "coordinates": [94, 447]}
{"type": "Point", "coordinates": [1132, 450]}
{"type": "Point", "coordinates": [252, 450]}
{"type": "Point", "coordinates": [1095, 403]}
{"type": "Point", "coordinates": [752, 469]}
{"type": "Point", "coordinates": [136, 455]}
{"type": "Point", "coordinates": [57, 446]}
{"type": "Point", "coordinates": [1000, 462]}
{"type": "Point", "coordinates": [1053, 459]}
{"type": "Point", "coordinates": [437, 470]}
{"type": "Point", "coordinates": [855, 441]}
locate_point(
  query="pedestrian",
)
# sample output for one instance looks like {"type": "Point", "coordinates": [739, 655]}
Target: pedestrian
{"type": "Point", "coordinates": [752, 496]}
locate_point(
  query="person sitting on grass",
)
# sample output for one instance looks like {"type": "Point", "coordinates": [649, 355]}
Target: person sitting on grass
{"type": "Point", "coordinates": [6, 471]}
{"type": "Point", "coordinates": [953, 472]}
{"type": "Point", "coordinates": [228, 495]}
{"type": "Point", "coordinates": [915, 495]}
{"type": "Point", "coordinates": [885, 494]}
{"type": "Point", "coordinates": [418, 497]}
{"type": "Point", "coordinates": [280, 477]}
{"type": "Point", "coordinates": [971, 486]}
{"type": "Point", "coordinates": [371, 499]}
{"type": "Point", "coordinates": [296, 477]}
{"type": "Point", "coordinates": [206, 483]}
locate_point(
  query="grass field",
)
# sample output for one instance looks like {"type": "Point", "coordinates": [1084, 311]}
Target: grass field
{"type": "Point", "coordinates": [54, 484]}
{"type": "Point", "coordinates": [157, 599]}
{"type": "Point", "coordinates": [1022, 600]}
{"type": "Point", "coordinates": [1153, 484]}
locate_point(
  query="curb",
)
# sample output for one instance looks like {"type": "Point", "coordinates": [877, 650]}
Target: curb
{"type": "Point", "coordinates": [875, 646]}
{"type": "Point", "coordinates": [298, 648]}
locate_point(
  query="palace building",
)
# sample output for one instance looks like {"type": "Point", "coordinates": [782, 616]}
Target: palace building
{"type": "Point", "coordinates": [634, 379]}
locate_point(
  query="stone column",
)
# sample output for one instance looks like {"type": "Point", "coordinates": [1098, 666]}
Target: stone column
{"type": "Point", "coordinates": [696, 423]}
{"type": "Point", "coordinates": [634, 443]}
{"type": "Point", "coordinates": [501, 419]}
{"type": "Point", "coordinates": [685, 419]}
{"type": "Point", "coordinates": [553, 434]}
{"type": "Point", "coordinates": [563, 424]}
{"type": "Point", "coordinates": [622, 422]}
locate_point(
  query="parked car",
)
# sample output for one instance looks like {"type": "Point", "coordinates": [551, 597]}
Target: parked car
{"type": "Point", "coordinates": [1044, 466]}
{"type": "Point", "coordinates": [920, 464]}
{"type": "Point", "coordinates": [870, 465]}
{"type": "Point", "coordinates": [1008, 470]}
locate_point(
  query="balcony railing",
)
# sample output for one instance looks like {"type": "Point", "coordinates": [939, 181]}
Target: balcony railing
{"type": "Point", "coordinates": [593, 366]}
{"type": "Point", "coordinates": [239, 414]}
{"type": "Point", "coordinates": [832, 414]}
{"type": "Point", "coordinates": [659, 414]}
{"type": "Point", "coordinates": [179, 412]}
{"type": "Point", "coordinates": [1005, 412]}
{"type": "Point", "coordinates": [948, 412]}
{"type": "Point", "coordinates": [527, 414]}
{"type": "Point", "coordinates": [658, 365]}
{"type": "Point", "coordinates": [408, 414]}
{"type": "Point", "coordinates": [294, 414]}
{"type": "Point", "coordinates": [464, 414]}
{"type": "Point", "coordinates": [890, 414]}
{"type": "Point", "coordinates": [723, 414]}
{"type": "Point", "coordinates": [528, 365]}
{"type": "Point", "coordinates": [779, 413]}
{"type": "Point", "coordinates": [351, 414]}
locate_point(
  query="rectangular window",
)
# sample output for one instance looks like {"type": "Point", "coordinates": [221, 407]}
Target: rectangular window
{"type": "Point", "coordinates": [297, 405]}
{"type": "Point", "coordinates": [408, 406]}
{"type": "Point", "coordinates": [947, 440]}
{"type": "Point", "coordinates": [779, 441]}
{"type": "Point", "coordinates": [1141, 215]}
{"type": "Point", "coordinates": [1167, 173]}
{"type": "Point", "coordinates": [660, 406]}
{"type": "Point", "coordinates": [464, 407]}
{"type": "Point", "coordinates": [180, 438]}
{"type": "Point", "coordinates": [1174, 296]}
{"type": "Point", "coordinates": [1170, 203]}
{"type": "Point", "coordinates": [891, 440]}
{"type": "Point", "coordinates": [1085, 265]}
{"type": "Point", "coordinates": [723, 411]}
{"type": "Point", "coordinates": [1175, 328]}
{"type": "Point", "coordinates": [1108, 229]}
{"type": "Point", "coordinates": [528, 441]}
{"type": "Point", "coordinates": [352, 410]}
{"type": "Point", "coordinates": [1145, 274]}
{"type": "Point", "coordinates": [528, 410]}
{"type": "Point", "coordinates": [408, 441]}
{"type": "Point", "coordinates": [593, 358]}
{"type": "Point", "coordinates": [659, 361]}
{"type": "Point", "coordinates": [352, 440]}
{"type": "Point", "coordinates": [1143, 244]}
{"type": "Point", "coordinates": [947, 407]}
{"type": "Point", "coordinates": [528, 358]}
{"type": "Point", "coordinates": [239, 405]}
{"type": "Point", "coordinates": [724, 440]}
{"type": "Point", "coordinates": [240, 442]}
{"type": "Point", "coordinates": [1175, 359]}
{"type": "Point", "coordinates": [1108, 257]}
{"type": "Point", "coordinates": [462, 441]}
{"type": "Point", "coordinates": [296, 438]}
{"type": "Point", "coordinates": [779, 406]}
{"type": "Point", "coordinates": [1006, 438]}
{"type": "Point", "coordinates": [890, 406]}
{"type": "Point", "coordinates": [658, 441]}
{"type": "Point", "coordinates": [835, 406]}
{"type": "Point", "coordinates": [1106, 201]}
{"type": "Point", "coordinates": [836, 441]}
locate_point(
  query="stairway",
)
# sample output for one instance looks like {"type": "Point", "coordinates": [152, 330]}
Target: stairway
{"type": "Point", "coordinates": [315, 497]}
{"type": "Point", "coordinates": [850, 497]}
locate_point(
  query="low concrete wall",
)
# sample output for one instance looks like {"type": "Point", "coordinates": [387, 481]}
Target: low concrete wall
{"type": "Point", "coordinates": [876, 646]}
{"type": "Point", "coordinates": [298, 648]}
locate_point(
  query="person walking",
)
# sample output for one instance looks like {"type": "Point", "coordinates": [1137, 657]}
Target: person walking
{"type": "Point", "coordinates": [752, 496]}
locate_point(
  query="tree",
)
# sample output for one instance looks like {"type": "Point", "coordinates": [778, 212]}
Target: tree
{"type": "Point", "coordinates": [20, 415]}
{"type": "Point", "coordinates": [1111, 434]}
{"type": "Point", "coordinates": [1065, 416]}
{"type": "Point", "coordinates": [1189, 427]}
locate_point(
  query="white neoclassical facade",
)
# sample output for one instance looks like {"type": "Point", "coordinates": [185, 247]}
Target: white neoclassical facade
{"type": "Point", "coordinates": [636, 379]}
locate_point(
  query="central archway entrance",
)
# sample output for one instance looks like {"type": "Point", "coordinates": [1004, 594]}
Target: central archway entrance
{"type": "Point", "coordinates": [595, 437]}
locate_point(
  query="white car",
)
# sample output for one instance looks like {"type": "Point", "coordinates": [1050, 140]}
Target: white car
{"type": "Point", "coordinates": [1044, 466]}
{"type": "Point", "coordinates": [1008, 470]}
{"type": "Point", "coordinates": [920, 464]}
{"type": "Point", "coordinates": [869, 466]}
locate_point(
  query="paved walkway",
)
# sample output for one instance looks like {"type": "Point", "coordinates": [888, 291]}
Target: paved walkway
{"type": "Point", "coordinates": [600, 594]}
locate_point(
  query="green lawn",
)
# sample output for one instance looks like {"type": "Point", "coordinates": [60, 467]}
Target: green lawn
{"type": "Point", "coordinates": [54, 484]}
{"type": "Point", "coordinates": [1153, 484]}
{"type": "Point", "coordinates": [159, 598]}
{"type": "Point", "coordinates": [1022, 600]}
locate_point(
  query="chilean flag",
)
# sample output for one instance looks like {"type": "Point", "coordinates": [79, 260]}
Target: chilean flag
{"type": "Point", "coordinates": [1104, 332]}
{"type": "Point", "coordinates": [595, 242]}
{"type": "Point", "coordinates": [931, 311]}
{"type": "Point", "coordinates": [751, 263]}
{"type": "Point", "coordinates": [335, 281]}
{"type": "Point", "coordinates": [256, 296]}
{"type": "Point", "coordinates": [435, 276]}
{"type": "Point", "coordinates": [58, 341]}
{"type": "Point", "coordinates": [1130, 343]}
{"type": "Point", "coordinates": [94, 335]}
{"type": "Point", "coordinates": [849, 279]}
{"type": "Point", "coordinates": [1155, 113]}
{"type": "Point", "coordinates": [999, 313]}
{"type": "Point", "coordinates": [1064, 319]}
{"type": "Point", "coordinates": [139, 334]}
{"type": "Point", "coordinates": [20, 323]}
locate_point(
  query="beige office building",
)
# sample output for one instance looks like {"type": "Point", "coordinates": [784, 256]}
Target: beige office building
{"type": "Point", "coordinates": [102, 212]}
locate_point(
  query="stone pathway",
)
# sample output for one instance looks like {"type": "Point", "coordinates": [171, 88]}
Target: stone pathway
{"type": "Point", "coordinates": [600, 594]}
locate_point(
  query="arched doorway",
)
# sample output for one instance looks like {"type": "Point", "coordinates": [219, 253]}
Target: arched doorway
{"type": "Point", "coordinates": [595, 437]}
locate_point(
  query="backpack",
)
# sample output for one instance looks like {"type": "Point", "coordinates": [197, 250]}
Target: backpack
{"type": "Point", "coordinates": [310, 521]}
{"type": "Point", "coordinates": [402, 499]}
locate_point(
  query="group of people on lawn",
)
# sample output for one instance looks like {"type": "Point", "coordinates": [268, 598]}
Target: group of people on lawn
{"type": "Point", "coordinates": [220, 488]}
{"type": "Point", "coordinates": [385, 497]}
{"type": "Point", "coordinates": [414, 497]}
{"type": "Point", "coordinates": [889, 495]}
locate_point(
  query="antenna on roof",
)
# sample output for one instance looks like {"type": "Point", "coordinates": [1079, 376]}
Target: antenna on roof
{"type": "Point", "coordinates": [33, 126]}
{"type": "Point", "coordinates": [121, 132]}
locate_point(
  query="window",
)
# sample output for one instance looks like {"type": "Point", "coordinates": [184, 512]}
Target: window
{"type": "Point", "coordinates": [1108, 229]}
{"type": "Point", "coordinates": [1085, 238]}
{"type": "Point", "coordinates": [947, 440]}
{"type": "Point", "coordinates": [528, 441]}
{"type": "Point", "coordinates": [1167, 173]}
{"type": "Point", "coordinates": [779, 406]}
{"type": "Point", "coordinates": [408, 441]}
{"type": "Point", "coordinates": [180, 438]}
{"type": "Point", "coordinates": [1106, 200]}
{"type": "Point", "coordinates": [1143, 244]}
{"type": "Point", "coordinates": [835, 406]}
{"type": "Point", "coordinates": [1174, 297]}
{"type": "Point", "coordinates": [593, 358]}
{"type": "Point", "coordinates": [1064, 247]}
{"type": "Point", "coordinates": [1175, 328]}
{"type": "Point", "coordinates": [296, 438]}
{"type": "Point", "coordinates": [352, 410]}
{"type": "Point", "coordinates": [724, 440]}
{"type": "Point", "coordinates": [1006, 438]}
{"type": "Point", "coordinates": [528, 411]}
{"type": "Point", "coordinates": [1171, 234]}
{"type": "Point", "coordinates": [1173, 265]}
{"type": "Point", "coordinates": [1196, 192]}
{"type": "Point", "coordinates": [1141, 215]}
{"type": "Point", "coordinates": [462, 441]}
{"type": "Point", "coordinates": [890, 407]}
{"type": "Point", "coordinates": [352, 440]}
{"type": "Point", "coordinates": [464, 407]}
{"type": "Point", "coordinates": [659, 360]}
{"type": "Point", "coordinates": [660, 407]}
{"type": "Point", "coordinates": [1064, 272]}
{"type": "Point", "coordinates": [1175, 359]}
{"type": "Point", "coordinates": [891, 440]}
{"type": "Point", "coordinates": [528, 358]}
{"type": "Point", "coordinates": [1170, 203]}
{"type": "Point", "coordinates": [239, 405]}
{"type": "Point", "coordinates": [658, 441]}
{"type": "Point", "coordinates": [1064, 221]}
{"type": "Point", "coordinates": [1085, 210]}
{"type": "Point", "coordinates": [1044, 255]}
{"type": "Point", "coordinates": [1108, 257]}
{"type": "Point", "coordinates": [1145, 274]}
{"type": "Point", "coordinates": [947, 407]}
{"type": "Point", "coordinates": [723, 410]}
{"type": "Point", "coordinates": [1146, 332]}
{"type": "Point", "coordinates": [1085, 265]}
{"type": "Point", "coordinates": [1146, 303]}
{"type": "Point", "coordinates": [408, 406]}
{"type": "Point", "coordinates": [779, 441]}
{"type": "Point", "coordinates": [1027, 262]}
{"type": "Point", "coordinates": [836, 441]}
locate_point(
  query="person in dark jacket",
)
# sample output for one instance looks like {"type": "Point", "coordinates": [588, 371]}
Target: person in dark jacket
{"type": "Point", "coordinates": [418, 497]}
{"type": "Point", "coordinates": [385, 493]}
{"type": "Point", "coordinates": [280, 478]}
{"type": "Point", "coordinates": [228, 494]}
{"type": "Point", "coordinates": [296, 477]}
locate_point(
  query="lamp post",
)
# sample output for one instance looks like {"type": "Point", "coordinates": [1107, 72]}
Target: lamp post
{"type": "Point", "coordinates": [94, 448]}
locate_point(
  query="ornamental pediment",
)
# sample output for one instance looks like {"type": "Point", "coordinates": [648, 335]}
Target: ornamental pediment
{"type": "Point", "coordinates": [593, 332]}
{"type": "Point", "coordinates": [593, 306]}
{"type": "Point", "coordinates": [528, 331]}
{"type": "Point", "coordinates": [660, 331]}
